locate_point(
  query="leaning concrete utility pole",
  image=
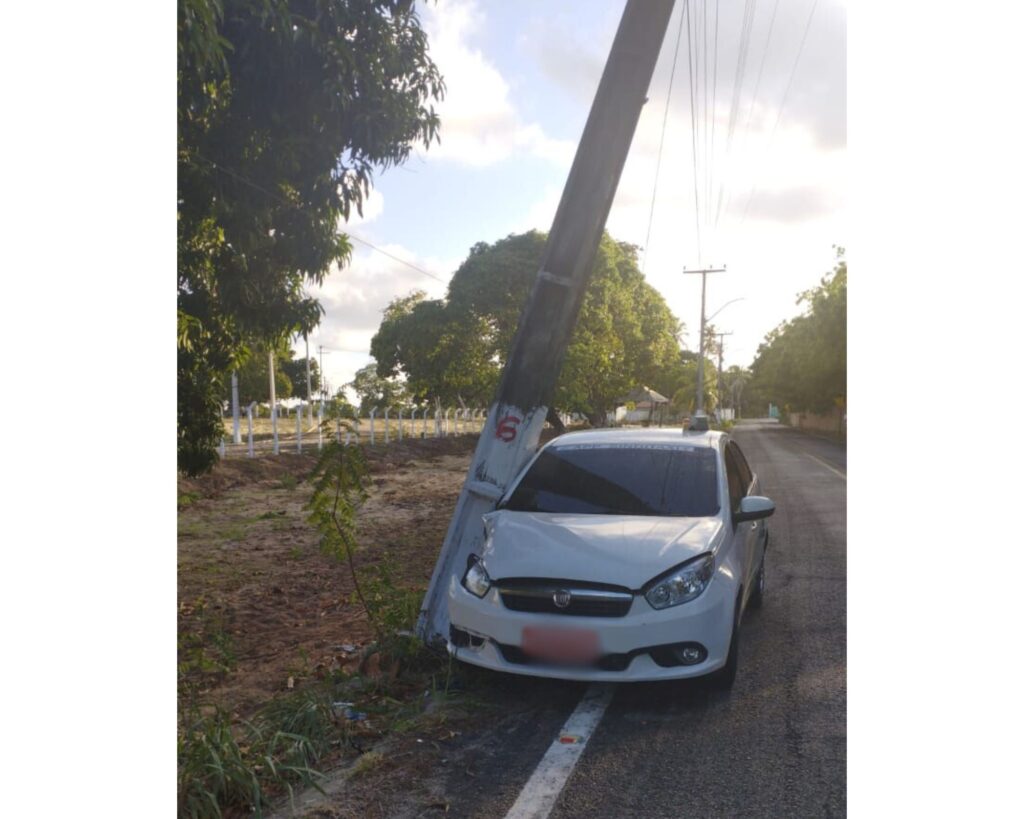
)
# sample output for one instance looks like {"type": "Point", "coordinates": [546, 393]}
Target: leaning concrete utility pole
{"type": "Point", "coordinates": [511, 434]}
{"type": "Point", "coordinates": [700, 359]}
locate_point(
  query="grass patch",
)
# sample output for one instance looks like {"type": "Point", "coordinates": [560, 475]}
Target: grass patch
{"type": "Point", "coordinates": [221, 765]}
{"type": "Point", "coordinates": [369, 761]}
{"type": "Point", "coordinates": [227, 766]}
{"type": "Point", "coordinates": [186, 499]}
{"type": "Point", "coordinates": [272, 515]}
{"type": "Point", "coordinates": [289, 482]}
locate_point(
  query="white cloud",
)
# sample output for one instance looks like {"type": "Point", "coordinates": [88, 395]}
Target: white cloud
{"type": "Point", "coordinates": [355, 296]}
{"type": "Point", "coordinates": [479, 123]}
{"type": "Point", "coordinates": [541, 213]}
{"type": "Point", "coordinates": [373, 206]}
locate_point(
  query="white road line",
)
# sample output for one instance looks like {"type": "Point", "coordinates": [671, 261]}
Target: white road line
{"type": "Point", "coordinates": [827, 466]}
{"type": "Point", "coordinates": [540, 793]}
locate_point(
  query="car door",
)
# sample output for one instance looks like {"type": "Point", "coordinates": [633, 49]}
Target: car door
{"type": "Point", "coordinates": [746, 535]}
{"type": "Point", "coordinates": [758, 527]}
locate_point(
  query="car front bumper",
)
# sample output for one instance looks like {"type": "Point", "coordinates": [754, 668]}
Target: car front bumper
{"type": "Point", "coordinates": [497, 632]}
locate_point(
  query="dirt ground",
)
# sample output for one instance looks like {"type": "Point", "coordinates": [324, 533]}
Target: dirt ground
{"type": "Point", "coordinates": [258, 604]}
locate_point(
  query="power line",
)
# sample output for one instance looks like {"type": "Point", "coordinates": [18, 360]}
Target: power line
{"type": "Point", "coordinates": [757, 87]}
{"type": "Point", "coordinates": [396, 258]}
{"type": "Point", "coordinates": [782, 105]}
{"type": "Point", "coordinates": [693, 130]}
{"type": "Point", "coordinates": [714, 109]}
{"type": "Point", "coordinates": [704, 53]}
{"type": "Point", "coordinates": [282, 200]}
{"type": "Point", "coordinates": [661, 143]}
{"type": "Point", "coordinates": [737, 88]}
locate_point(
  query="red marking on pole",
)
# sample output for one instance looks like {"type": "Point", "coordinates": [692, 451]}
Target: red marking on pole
{"type": "Point", "coordinates": [568, 739]}
{"type": "Point", "coordinates": [506, 428]}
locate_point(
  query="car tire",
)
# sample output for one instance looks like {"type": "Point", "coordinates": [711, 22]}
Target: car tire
{"type": "Point", "coordinates": [723, 679]}
{"type": "Point", "coordinates": [757, 596]}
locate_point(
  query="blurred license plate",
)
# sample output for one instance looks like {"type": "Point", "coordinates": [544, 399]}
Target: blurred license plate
{"type": "Point", "coordinates": [561, 645]}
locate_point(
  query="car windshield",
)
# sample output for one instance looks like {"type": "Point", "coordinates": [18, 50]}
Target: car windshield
{"type": "Point", "coordinates": [620, 479]}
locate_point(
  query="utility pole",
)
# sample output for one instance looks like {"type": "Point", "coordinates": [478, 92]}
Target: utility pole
{"type": "Point", "coordinates": [323, 382]}
{"type": "Point", "coordinates": [517, 414]}
{"type": "Point", "coordinates": [721, 350]}
{"type": "Point", "coordinates": [700, 360]}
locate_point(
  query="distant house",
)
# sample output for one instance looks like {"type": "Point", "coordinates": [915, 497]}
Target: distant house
{"type": "Point", "coordinates": [649, 406]}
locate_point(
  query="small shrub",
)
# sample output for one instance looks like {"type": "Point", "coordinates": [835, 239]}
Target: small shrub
{"type": "Point", "coordinates": [393, 609]}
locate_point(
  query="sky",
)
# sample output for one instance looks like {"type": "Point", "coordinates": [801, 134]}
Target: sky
{"type": "Point", "coordinates": [520, 77]}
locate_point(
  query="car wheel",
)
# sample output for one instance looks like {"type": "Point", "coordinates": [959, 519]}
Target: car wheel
{"type": "Point", "coordinates": [723, 679]}
{"type": "Point", "coordinates": [757, 596]}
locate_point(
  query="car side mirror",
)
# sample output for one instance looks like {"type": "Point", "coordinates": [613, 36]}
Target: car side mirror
{"type": "Point", "coordinates": [754, 507]}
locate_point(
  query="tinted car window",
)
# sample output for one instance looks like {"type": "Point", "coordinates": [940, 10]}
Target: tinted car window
{"type": "Point", "coordinates": [732, 472]}
{"type": "Point", "coordinates": [620, 480]}
{"type": "Point", "coordinates": [746, 476]}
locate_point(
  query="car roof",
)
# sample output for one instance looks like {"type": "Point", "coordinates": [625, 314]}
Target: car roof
{"type": "Point", "coordinates": [639, 436]}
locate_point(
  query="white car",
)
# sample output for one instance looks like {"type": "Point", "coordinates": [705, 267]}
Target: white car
{"type": "Point", "coordinates": [617, 555]}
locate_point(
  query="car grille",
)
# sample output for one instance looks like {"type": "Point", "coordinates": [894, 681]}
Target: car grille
{"type": "Point", "coordinates": [587, 599]}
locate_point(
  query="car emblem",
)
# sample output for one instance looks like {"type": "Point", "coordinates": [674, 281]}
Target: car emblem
{"type": "Point", "coordinates": [562, 598]}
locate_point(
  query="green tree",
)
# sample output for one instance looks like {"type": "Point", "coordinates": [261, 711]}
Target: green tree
{"type": "Point", "coordinates": [802, 362]}
{"type": "Point", "coordinates": [455, 348]}
{"type": "Point", "coordinates": [295, 370]}
{"type": "Point", "coordinates": [684, 399]}
{"type": "Point", "coordinates": [285, 109]}
{"type": "Point", "coordinates": [374, 391]}
{"type": "Point", "coordinates": [254, 379]}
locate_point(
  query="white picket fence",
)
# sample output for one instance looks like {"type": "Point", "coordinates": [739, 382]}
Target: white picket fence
{"type": "Point", "coordinates": [309, 429]}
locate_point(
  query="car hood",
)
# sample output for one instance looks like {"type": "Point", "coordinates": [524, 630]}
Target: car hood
{"type": "Point", "coordinates": [625, 550]}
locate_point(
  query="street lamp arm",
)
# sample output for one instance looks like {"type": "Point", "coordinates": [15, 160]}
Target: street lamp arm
{"type": "Point", "coordinates": [720, 309]}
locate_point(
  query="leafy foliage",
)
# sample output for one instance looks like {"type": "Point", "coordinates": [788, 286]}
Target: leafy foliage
{"type": "Point", "coordinates": [254, 380]}
{"type": "Point", "coordinates": [801, 365]}
{"type": "Point", "coordinates": [684, 400]}
{"type": "Point", "coordinates": [285, 108]}
{"type": "Point", "coordinates": [294, 369]}
{"type": "Point", "coordinates": [454, 349]}
{"type": "Point", "coordinates": [374, 391]}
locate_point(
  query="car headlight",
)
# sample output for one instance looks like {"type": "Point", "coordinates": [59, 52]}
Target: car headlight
{"type": "Point", "coordinates": [476, 580]}
{"type": "Point", "coordinates": [683, 584]}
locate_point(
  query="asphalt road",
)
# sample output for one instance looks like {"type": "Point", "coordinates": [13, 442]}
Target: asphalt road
{"type": "Point", "coordinates": [773, 746]}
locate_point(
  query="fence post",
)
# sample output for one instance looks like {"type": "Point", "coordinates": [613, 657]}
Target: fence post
{"type": "Point", "coordinates": [236, 429]}
{"type": "Point", "coordinates": [273, 424]}
{"type": "Point", "coordinates": [401, 411]}
{"type": "Point", "coordinates": [412, 424]}
{"type": "Point", "coordinates": [425, 411]}
{"type": "Point", "coordinates": [387, 425]}
{"type": "Point", "coordinates": [248, 412]}
{"type": "Point", "coordinates": [319, 428]}
{"type": "Point", "coordinates": [348, 437]}
{"type": "Point", "coordinates": [221, 447]}
{"type": "Point", "coordinates": [373, 412]}
{"type": "Point", "coordinates": [298, 426]}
